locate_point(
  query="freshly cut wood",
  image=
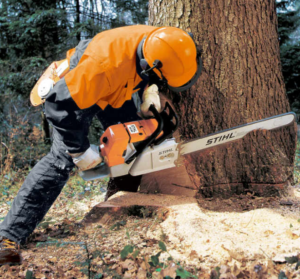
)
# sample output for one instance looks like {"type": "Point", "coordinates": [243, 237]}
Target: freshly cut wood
{"type": "Point", "coordinates": [175, 181]}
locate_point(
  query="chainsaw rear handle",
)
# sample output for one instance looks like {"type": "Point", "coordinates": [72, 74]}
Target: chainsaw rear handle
{"type": "Point", "coordinates": [144, 144]}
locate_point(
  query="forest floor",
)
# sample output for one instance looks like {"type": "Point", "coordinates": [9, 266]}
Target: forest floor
{"type": "Point", "coordinates": [136, 235]}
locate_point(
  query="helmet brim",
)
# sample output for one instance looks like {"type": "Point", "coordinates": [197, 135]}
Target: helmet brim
{"type": "Point", "coordinates": [180, 80]}
{"type": "Point", "coordinates": [191, 82]}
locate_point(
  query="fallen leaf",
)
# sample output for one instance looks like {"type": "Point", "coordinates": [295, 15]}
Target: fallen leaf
{"type": "Point", "coordinates": [128, 264]}
{"type": "Point", "coordinates": [142, 274]}
{"type": "Point", "coordinates": [286, 202]}
{"type": "Point", "coordinates": [129, 274]}
{"type": "Point", "coordinates": [224, 269]}
{"type": "Point", "coordinates": [169, 271]}
{"type": "Point", "coordinates": [193, 255]}
{"type": "Point", "coordinates": [237, 254]}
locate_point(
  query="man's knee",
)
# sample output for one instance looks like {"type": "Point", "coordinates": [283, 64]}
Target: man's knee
{"type": "Point", "coordinates": [61, 159]}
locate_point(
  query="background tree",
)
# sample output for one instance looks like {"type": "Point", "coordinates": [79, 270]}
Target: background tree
{"type": "Point", "coordinates": [289, 39]}
{"type": "Point", "coordinates": [33, 34]}
{"type": "Point", "coordinates": [241, 82]}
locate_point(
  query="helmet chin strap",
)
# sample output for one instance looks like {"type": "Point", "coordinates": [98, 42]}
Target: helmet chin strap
{"type": "Point", "coordinates": [156, 64]}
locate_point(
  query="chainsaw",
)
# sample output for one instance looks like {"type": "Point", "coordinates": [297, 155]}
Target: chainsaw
{"type": "Point", "coordinates": [147, 145]}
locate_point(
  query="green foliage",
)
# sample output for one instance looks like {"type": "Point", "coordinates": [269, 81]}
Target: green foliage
{"type": "Point", "coordinates": [21, 144]}
{"type": "Point", "coordinates": [132, 251]}
{"type": "Point", "coordinates": [129, 250]}
{"type": "Point", "coordinates": [135, 253]}
{"type": "Point", "coordinates": [297, 164]}
{"type": "Point", "coordinates": [155, 260]}
{"type": "Point", "coordinates": [289, 38]}
{"type": "Point", "coordinates": [118, 225]}
{"type": "Point", "coordinates": [34, 33]}
{"type": "Point", "coordinates": [288, 20]}
{"type": "Point", "coordinates": [126, 251]}
{"type": "Point", "coordinates": [291, 71]}
{"type": "Point", "coordinates": [129, 12]}
{"type": "Point", "coordinates": [182, 273]}
{"type": "Point", "coordinates": [291, 260]}
{"type": "Point", "coordinates": [282, 275]}
{"type": "Point", "coordinates": [162, 246]}
{"type": "Point", "coordinates": [217, 269]}
{"type": "Point", "coordinates": [29, 275]}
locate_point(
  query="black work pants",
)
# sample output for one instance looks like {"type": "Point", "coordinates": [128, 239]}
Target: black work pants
{"type": "Point", "coordinates": [46, 180]}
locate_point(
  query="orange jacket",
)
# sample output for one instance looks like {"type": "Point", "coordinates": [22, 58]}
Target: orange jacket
{"type": "Point", "coordinates": [106, 73]}
{"type": "Point", "coordinates": [103, 71]}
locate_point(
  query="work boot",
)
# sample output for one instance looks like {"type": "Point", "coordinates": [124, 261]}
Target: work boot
{"type": "Point", "coordinates": [9, 252]}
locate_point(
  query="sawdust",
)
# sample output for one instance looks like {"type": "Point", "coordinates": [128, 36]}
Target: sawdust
{"type": "Point", "coordinates": [221, 237]}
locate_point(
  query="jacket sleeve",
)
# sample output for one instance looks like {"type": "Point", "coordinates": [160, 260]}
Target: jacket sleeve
{"type": "Point", "coordinates": [80, 89]}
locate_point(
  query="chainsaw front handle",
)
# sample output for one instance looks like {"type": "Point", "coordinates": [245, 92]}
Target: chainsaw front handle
{"type": "Point", "coordinates": [170, 123]}
{"type": "Point", "coordinates": [147, 142]}
{"type": "Point", "coordinates": [167, 123]}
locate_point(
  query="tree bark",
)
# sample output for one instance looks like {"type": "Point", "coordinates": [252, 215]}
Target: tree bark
{"type": "Point", "coordinates": [46, 129]}
{"type": "Point", "coordinates": [78, 36]}
{"type": "Point", "coordinates": [241, 82]}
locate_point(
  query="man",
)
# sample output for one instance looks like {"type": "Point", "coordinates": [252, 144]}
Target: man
{"type": "Point", "coordinates": [104, 73]}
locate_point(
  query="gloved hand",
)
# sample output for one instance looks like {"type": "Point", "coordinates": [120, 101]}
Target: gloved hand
{"type": "Point", "coordinates": [88, 159]}
{"type": "Point", "coordinates": [150, 96]}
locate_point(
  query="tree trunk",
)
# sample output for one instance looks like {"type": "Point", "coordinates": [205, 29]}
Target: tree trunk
{"type": "Point", "coordinates": [46, 129]}
{"type": "Point", "coordinates": [241, 82]}
{"type": "Point", "coordinates": [78, 36]}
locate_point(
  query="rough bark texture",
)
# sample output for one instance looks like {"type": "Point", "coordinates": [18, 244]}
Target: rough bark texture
{"type": "Point", "coordinates": [241, 82]}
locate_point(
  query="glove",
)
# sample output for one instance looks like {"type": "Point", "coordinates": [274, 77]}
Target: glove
{"type": "Point", "coordinates": [88, 159]}
{"type": "Point", "coordinates": [150, 96]}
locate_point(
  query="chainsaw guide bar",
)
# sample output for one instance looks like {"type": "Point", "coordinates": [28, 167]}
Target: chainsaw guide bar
{"type": "Point", "coordinates": [237, 132]}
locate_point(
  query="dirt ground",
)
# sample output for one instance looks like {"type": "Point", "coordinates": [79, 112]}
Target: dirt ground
{"type": "Point", "coordinates": [135, 235]}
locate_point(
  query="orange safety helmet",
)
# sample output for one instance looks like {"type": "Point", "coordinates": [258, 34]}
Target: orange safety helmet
{"type": "Point", "coordinates": [174, 57]}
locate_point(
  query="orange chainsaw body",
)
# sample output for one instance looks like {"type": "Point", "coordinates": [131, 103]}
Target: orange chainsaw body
{"type": "Point", "coordinates": [115, 139]}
